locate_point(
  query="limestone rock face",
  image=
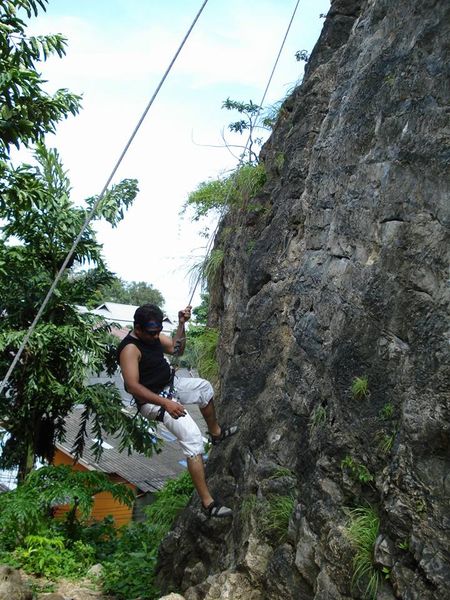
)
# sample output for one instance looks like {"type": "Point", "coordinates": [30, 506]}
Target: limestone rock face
{"type": "Point", "coordinates": [340, 273]}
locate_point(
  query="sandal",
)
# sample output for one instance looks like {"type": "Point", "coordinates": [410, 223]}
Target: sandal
{"type": "Point", "coordinates": [217, 510]}
{"type": "Point", "coordinates": [225, 432]}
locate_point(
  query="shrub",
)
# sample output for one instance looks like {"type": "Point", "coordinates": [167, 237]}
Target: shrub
{"type": "Point", "coordinates": [50, 557]}
{"type": "Point", "coordinates": [357, 470]}
{"type": "Point", "coordinates": [102, 536]}
{"type": "Point", "coordinates": [131, 572]}
{"type": "Point", "coordinates": [236, 189]}
{"type": "Point", "coordinates": [26, 510]}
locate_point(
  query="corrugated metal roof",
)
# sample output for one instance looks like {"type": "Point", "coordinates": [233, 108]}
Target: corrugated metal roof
{"type": "Point", "coordinates": [147, 474]}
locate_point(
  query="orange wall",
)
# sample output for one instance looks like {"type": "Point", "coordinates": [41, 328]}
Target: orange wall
{"type": "Point", "coordinates": [104, 503]}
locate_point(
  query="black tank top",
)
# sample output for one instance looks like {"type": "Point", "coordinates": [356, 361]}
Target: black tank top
{"type": "Point", "coordinates": [154, 370]}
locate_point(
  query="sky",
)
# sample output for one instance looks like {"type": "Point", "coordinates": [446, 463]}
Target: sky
{"type": "Point", "coordinates": [117, 53]}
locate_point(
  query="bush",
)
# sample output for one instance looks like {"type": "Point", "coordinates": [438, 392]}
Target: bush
{"type": "Point", "coordinates": [131, 572]}
{"type": "Point", "coordinates": [102, 536]}
{"type": "Point", "coordinates": [236, 189]}
{"type": "Point", "coordinates": [201, 351]}
{"type": "Point", "coordinates": [50, 557]}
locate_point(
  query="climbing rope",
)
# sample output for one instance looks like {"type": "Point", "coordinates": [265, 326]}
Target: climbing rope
{"type": "Point", "coordinates": [92, 212]}
{"type": "Point", "coordinates": [241, 159]}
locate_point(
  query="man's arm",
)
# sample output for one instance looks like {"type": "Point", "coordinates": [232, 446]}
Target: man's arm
{"type": "Point", "coordinates": [170, 344]}
{"type": "Point", "coordinates": [129, 365]}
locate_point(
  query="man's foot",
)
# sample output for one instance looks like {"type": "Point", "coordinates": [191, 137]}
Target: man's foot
{"type": "Point", "coordinates": [225, 432]}
{"type": "Point", "coordinates": [214, 509]}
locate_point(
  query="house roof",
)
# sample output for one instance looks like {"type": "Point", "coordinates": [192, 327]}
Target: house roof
{"type": "Point", "coordinates": [122, 314]}
{"type": "Point", "coordinates": [113, 311]}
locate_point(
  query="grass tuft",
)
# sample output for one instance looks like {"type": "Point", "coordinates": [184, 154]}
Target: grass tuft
{"type": "Point", "coordinates": [362, 530]}
{"type": "Point", "coordinates": [318, 418]}
{"type": "Point", "coordinates": [276, 516]}
{"type": "Point", "coordinates": [360, 387]}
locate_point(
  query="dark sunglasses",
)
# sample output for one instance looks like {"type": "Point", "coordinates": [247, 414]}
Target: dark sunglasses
{"type": "Point", "coordinates": [153, 332]}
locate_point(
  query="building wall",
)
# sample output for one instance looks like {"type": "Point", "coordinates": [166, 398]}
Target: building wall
{"type": "Point", "coordinates": [104, 503]}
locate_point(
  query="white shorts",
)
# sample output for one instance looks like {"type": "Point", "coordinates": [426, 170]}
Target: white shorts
{"type": "Point", "coordinates": [188, 390]}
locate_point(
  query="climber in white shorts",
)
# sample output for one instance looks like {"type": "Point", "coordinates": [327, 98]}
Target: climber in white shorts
{"type": "Point", "coordinates": [162, 396]}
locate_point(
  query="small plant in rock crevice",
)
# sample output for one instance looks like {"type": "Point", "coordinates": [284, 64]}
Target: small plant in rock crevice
{"type": "Point", "coordinates": [357, 471]}
{"type": "Point", "coordinates": [248, 506]}
{"type": "Point", "coordinates": [271, 515]}
{"type": "Point", "coordinates": [276, 516]}
{"type": "Point", "coordinates": [318, 418]}
{"type": "Point", "coordinates": [386, 442]}
{"type": "Point", "coordinates": [360, 387]}
{"type": "Point", "coordinates": [387, 411]}
{"type": "Point", "coordinates": [282, 472]}
{"type": "Point", "coordinates": [403, 545]}
{"type": "Point", "coordinates": [362, 530]}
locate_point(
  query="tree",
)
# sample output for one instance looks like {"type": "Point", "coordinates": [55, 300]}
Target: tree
{"type": "Point", "coordinates": [254, 118]}
{"type": "Point", "coordinates": [130, 292]}
{"type": "Point", "coordinates": [27, 112]}
{"type": "Point", "coordinates": [66, 347]}
{"type": "Point", "coordinates": [38, 226]}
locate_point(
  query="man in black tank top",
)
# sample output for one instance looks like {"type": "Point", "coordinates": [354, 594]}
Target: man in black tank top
{"type": "Point", "coordinates": [147, 376]}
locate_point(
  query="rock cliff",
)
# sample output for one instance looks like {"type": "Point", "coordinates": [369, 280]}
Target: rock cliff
{"type": "Point", "coordinates": [333, 309]}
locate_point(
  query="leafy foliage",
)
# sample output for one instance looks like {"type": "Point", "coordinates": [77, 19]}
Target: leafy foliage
{"type": "Point", "coordinates": [27, 112]}
{"type": "Point", "coordinates": [302, 55]}
{"type": "Point", "coordinates": [200, 312]}
{"type": "Point", "coordinates": [51, 558]}
{"type": "Point", "coordinates": [253, 119]}
{"type": "Point", "coordinates": [102, 536]}
{"type": "Point", "coordinates": [39, 226]}
{"type": "Point", "coordinates": [362, 530]}
{"type": "Point", "coordinates": [27, 510]}
{"type": "Point", "coordinates": [138, 545]}
{"type": "Point", "coordinates": [130, 292]}
{"type": "Point", "coordinates": [358, 471]}
{"type": "Point", "coordinates": [236, 189]}
{"type": "Point", "coordinates": [201, 353]}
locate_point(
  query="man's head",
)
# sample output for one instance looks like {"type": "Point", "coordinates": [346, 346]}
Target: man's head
{"type": "Point", "coordinates": [148, 320]}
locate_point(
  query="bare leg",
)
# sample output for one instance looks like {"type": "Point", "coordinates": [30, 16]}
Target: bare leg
{"type": "Point", "coordinates": [197, 473]}
{"type": "Point", "coordinates": [209, 414]}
